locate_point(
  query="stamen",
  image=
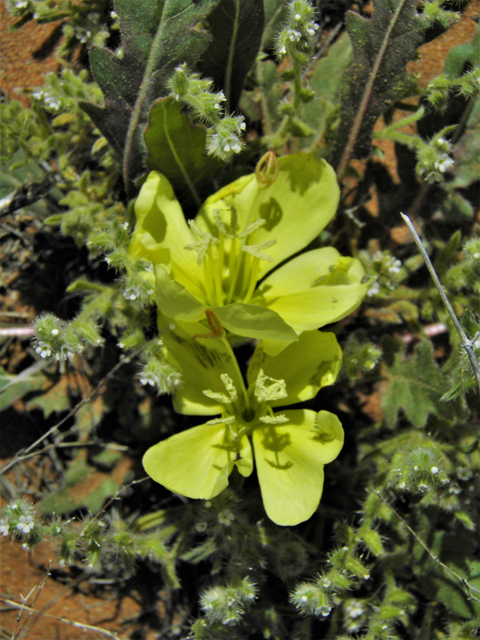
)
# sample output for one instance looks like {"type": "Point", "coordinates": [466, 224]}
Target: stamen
{"type": "Point", "coordinates": [277, 419]}
{"type": "Point", "coordinates": [276, 390]}
{"type": "Point", "coordinates": [227, 420]}
{"type": "Point", "coordinates": [252, 227]}
{"type": "Point", "coordinates": [221, 397]}
{"type": "Point", "coordinates": [254, 250]}
{"type": "Point", "coordinates": [203, 245]}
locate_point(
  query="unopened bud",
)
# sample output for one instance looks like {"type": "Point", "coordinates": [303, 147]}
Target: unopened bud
{"type": "Point", "coordinates": [266, 170]}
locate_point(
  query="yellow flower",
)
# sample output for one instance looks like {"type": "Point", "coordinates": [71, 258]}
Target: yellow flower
{"type": "Point", "coordinates": [230, 257]}
{"type": "Point", "coordinates": [290, 448]}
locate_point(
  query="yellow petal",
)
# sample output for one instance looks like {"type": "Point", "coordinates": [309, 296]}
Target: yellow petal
{"type": "Point", "coordinates": [314, 289]}
{"type": "Point", "coordinates": [161, 232]}
{"type": "Point", "coordinates": [306, 366]}
{"type": "Point", "coordinates": [196, 463]}
{"type": "Point", "coordinates": [200, 362]}
{"type": "Point", "coordinates": [296, 207]}
{"type": "Point", "coordinates": [289, 460]}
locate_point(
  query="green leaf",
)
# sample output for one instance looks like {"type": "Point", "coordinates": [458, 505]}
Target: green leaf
{"type": "Point", "coordinates": [176, 148]}
{"type": "Point", "coordinates": [55, 400]}
{"type": "Point", "coordinates": [270, 94]}
{"type": "Point", "coordinates": [236, 27]}
{"type": "Point", "coordinates": [460, 56]}
{"type": "Point", "coordinates": [157, 35]}
{"type": "Point", "coordinates": [84, 487]}
{"type": "Point", "coordinates": [14, 387]}
{"type": "Point", "coordinates": [456, 550]}
{"type": "Point", "coordinates": [467, 152]}
{"type": "Point", "coordinates": [416, 386]}
{"type": "Point", "coordinates": [382, 46]}
{"type": "Point", "coordinates": [326, 81]}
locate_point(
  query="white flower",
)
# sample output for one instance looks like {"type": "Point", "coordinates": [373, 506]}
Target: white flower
{"type": "Point", "coordinates": [463, 473]}
{"type": "Point", "coordinates": [323, 611]}
{"type": "Point", "coordinates": [43, 349]}
{"type": "Point", "coordinates": [148, 378]}
{"type": "Point", "coordinates": [131, 293]}
{"type": "Point", "coordinates": [294, 35]}
{"type": "Point", "coordinates": [4, 527]}
{"type": "Point", "coordinates": [374, 288]}
{"type": "Point", "coordinates": [355, 609]}
{"type": "Point", "coordinates": [25, 524]}
{"type": "Point", "coordinates": [394, 266]}
{"type": "Point", "coordinates": [226, 518]}
{"type": "Point", "coordinates": [444, 163]}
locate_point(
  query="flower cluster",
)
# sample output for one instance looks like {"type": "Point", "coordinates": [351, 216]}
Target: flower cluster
{"type": "Point", "coordinates": [55, 338]}
{"type": "Point", "coordinates": [226, 273]}
{"type": "Point", "coordinates": [299, 28]}
{"type": "Point", "coordinates": [196, 92]}
{"type": "Point", "coordinates": [18, 519]}
{"type": "Point", "coordinates": [434, 160]}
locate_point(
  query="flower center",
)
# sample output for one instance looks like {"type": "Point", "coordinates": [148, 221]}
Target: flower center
{"type": "Point", "coordinates": [243, 411]}
{"type": "Point", "coordinates": [231, 261]}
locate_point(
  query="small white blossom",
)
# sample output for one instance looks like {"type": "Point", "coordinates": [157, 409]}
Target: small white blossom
{"type": "Point", "coordinates": [148, 378]}
{"type": "Point", "coordinates": [374, 288]}
{"type": "Point", "coordinates": [226, 518]}
{"type": "Point", "coordinates": [444, 163]}
{"type": "Point", "coordinates": [355, 609]}
{"type": "Point", "coordinates": [294, 35]}
{"type": "Point", "coordinates": [394, 266]}
{"type": "Point", "coordinates": [25, 524]}
{"type": "Point", "coordinates": [4, 527]}
{"type": "Point", "coordinates": [43, 349]}
{"type": "Point", "coordinates": [323, 611]}
{"type": "Point", "coordinates": [464, 473]}
{"type": "Point", "coordinates": [131, 293]}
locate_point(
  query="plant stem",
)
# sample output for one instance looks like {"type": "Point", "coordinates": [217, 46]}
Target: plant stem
{"type": "Point", "coordinates": [466, 342]}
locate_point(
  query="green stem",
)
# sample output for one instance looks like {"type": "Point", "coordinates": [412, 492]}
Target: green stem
{"type": "Point", "coordinates": [243, 390]}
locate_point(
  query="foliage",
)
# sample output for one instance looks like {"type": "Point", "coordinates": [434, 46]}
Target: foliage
{"type": "Point", "coordinates": [225, 113]}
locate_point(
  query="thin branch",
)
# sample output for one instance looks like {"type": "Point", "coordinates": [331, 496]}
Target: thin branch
{"type": "Point", "coordinates": [92, 395]}
{"type": "Point", "coordinates": [465, 582]}
{"type": "Point", "coordinates": [467, 344]}
{"type": "Point", "coordinates": [72, 623]}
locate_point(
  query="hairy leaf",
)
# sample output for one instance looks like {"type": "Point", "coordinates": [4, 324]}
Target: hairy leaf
{"type": "Point", "coordinates": [157, 35]}
{"type": "Point", "coordinates": [458, 551]}
{"type": "Point", "coordinates": [176, 148]}
{"type": "Point", "coordinates": [382, 45]}
{"type": "Point", "coordinates": [84, 487]}
{"type": "Point", "coordinates": [14, 387]}
{"type": "Point", "coordinates": [236, 27]}
{"type": "Point", "coordinates": [416, 386]}
{"type": "Point", "coordinates": [326, 82]}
